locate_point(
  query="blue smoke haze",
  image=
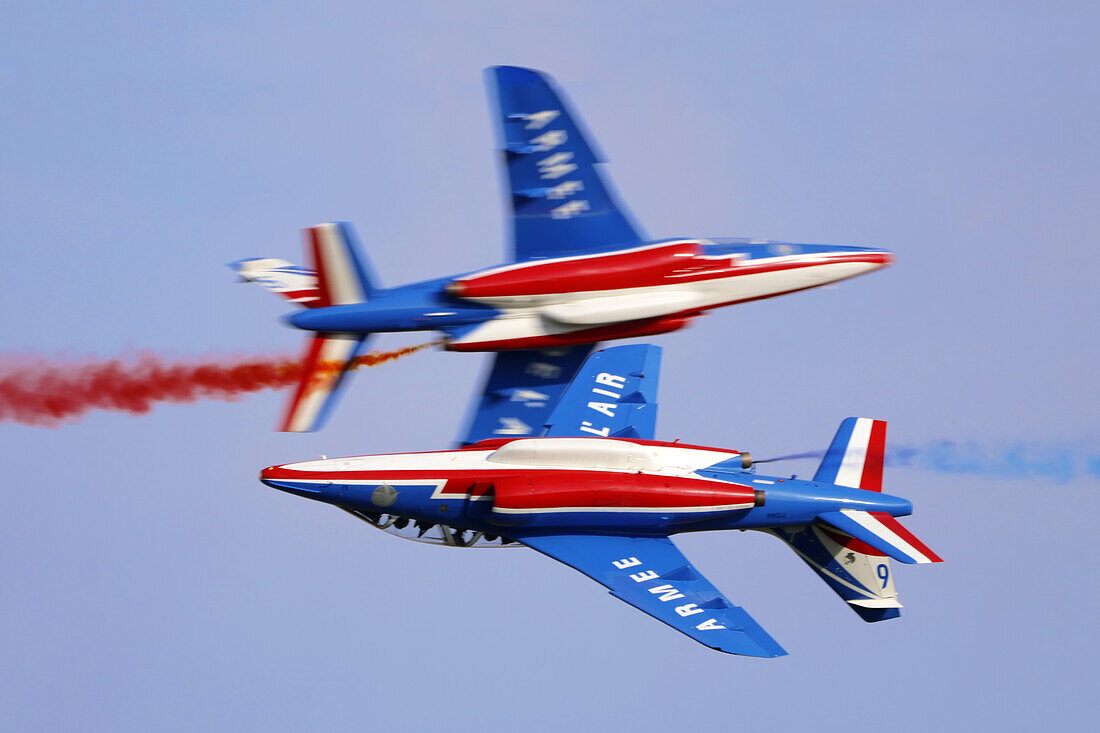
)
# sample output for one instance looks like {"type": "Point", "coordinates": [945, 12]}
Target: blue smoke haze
{"type": "Point", "coordinates": [1059, 463]}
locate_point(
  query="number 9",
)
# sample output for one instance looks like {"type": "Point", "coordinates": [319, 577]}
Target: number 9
{"type": "Point", "coordinates": [883, 572]}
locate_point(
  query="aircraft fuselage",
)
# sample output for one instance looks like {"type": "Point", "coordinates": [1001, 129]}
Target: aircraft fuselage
{"type": "Point", "coordinates": [502, 488]}
{"type": "Point", "coordinates": [639, 291]}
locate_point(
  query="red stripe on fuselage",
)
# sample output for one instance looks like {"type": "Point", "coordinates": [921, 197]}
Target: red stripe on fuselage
{"type": "Point", "coordinates": [567, 489]}
{"type": "Point", "coordinates": [674, 264]}
{"type": "Point", "coordinates": [591, 272]}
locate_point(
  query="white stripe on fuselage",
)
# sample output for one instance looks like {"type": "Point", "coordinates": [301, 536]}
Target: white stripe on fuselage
{"type": "Point", "coordinates": [670, 461]}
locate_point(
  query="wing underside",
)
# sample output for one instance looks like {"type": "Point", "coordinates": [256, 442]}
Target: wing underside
{"type": "Point", "coordinates": [559, 202]}
{"type": "Point", "coordinates": [613, 395]}
{"type": "Point", "coordinates": [652, 575]}
{"type": "Point", "coordinates": [520, 390]}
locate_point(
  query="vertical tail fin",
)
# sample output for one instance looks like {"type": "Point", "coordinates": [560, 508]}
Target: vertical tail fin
{"type": "Point", "coordinates": [864, 580]}
{"type": "Point", "coordinates": [855, 456]}
{"type": "Point", "coordinates": [293, 282]}
{"type": "Point", "coordinates": [328, 359]}
{"type": "Point", "coordinates": [344, 275]}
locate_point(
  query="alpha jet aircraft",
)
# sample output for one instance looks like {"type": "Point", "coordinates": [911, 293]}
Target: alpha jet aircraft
{"type": "Point", "coordinates": [599, 494]}
{"type": "Point", "coordinates": [581, 271]}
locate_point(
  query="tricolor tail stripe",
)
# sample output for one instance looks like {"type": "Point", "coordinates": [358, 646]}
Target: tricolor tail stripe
{"type": "Point", "coordinates": [855, 456]}
{"type": "Point", "coordinates": [326, 363]}
{"type": "Point", "coordinates": [882, 532]}
{"type": "Point", "coordinates": [342, 275]}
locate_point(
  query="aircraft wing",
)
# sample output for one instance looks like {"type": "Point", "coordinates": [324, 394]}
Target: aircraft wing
{"type": "Point", "coordinates": [613, 395]}
{"type": "Point", "coordinates": [560, 204]}
{"type": "Point", "coordinates": [520, 390]}
{"type": "Point", "coordinates": [652, 575]}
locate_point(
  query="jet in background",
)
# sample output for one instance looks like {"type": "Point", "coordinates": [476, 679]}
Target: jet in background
{"type": "Point", "coordinates": [580, 272]}
{"type": "Point", "coordinates": [600, 494]}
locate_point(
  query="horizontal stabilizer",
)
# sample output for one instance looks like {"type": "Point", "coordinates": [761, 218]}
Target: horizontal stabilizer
{"type": "Point", "coordinates": [613, 395]}
{"type": "Point", "coordinates": [880, 532]}
{"type": "Point", "coordinates": [287, 280]}
{"type": "Point", "coordinates": [652, 575]}
{"type": "Point", "coordinates": [327, 361]}
{"type": "Point", "coordinates": [521, 389]}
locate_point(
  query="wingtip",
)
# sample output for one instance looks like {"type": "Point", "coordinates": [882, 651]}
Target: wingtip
{"type": "Point", "coordinates": [754, 649]}
{"type": "Point", "coordinates": [515, 75]}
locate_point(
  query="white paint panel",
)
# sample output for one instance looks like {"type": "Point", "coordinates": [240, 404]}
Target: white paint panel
{"type": "Point", "coordinates": [664, 460]}
{"type": "Point", "coordinates": [628, 307]}
{"type": "Point", "coordinates": [304, 412]}
{"type": "Point", "coordinates": [850, 472]}
{"type": "Point", "coordinates": [343, 283]}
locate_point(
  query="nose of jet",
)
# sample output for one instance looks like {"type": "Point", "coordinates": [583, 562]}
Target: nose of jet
{"type": "Point", "coordinates": [882, 257]}
{"type": "Point", "coordinates": [870, 255]}
{"type": "Point", "coordinates": [278, 477]}
{"type": "Point", "coordinates": [271, 476]}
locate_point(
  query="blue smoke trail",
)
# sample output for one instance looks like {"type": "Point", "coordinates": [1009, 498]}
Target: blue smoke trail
{"type": "Point", "coordinates": [1061, 464]}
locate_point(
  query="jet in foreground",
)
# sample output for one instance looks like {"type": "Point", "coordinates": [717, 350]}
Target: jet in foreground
{"type": "Point", "coordinates": [599, 494]}
{"type": "Point", "coordinates": [580, 272]}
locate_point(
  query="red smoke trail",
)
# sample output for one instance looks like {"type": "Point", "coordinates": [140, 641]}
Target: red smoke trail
{"type": "Point", "coordinates": [37, 391]}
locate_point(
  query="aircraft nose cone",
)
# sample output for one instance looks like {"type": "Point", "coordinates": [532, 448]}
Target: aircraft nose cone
{"type": "Point", "coordinates": [880, 257]}
{"type": "Point", "coordinates": [292, 482]}
{"type": "Point", "coordinates": [269, 474]}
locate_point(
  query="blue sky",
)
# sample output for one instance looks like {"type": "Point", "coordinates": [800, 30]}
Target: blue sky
{"type": "Point", "coordinates": [147, 579]}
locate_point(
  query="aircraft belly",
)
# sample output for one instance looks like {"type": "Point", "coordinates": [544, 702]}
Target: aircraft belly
{"type": "Point", "coordinates": [633, 306]}
{"type": "Point", "coordinates": [510, 327]}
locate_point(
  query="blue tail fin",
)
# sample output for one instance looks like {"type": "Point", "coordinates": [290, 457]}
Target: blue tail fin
{"type": "Point", "coordinates": [864, 580]}
{"type": "Point", "coordinates": [855, 456]}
